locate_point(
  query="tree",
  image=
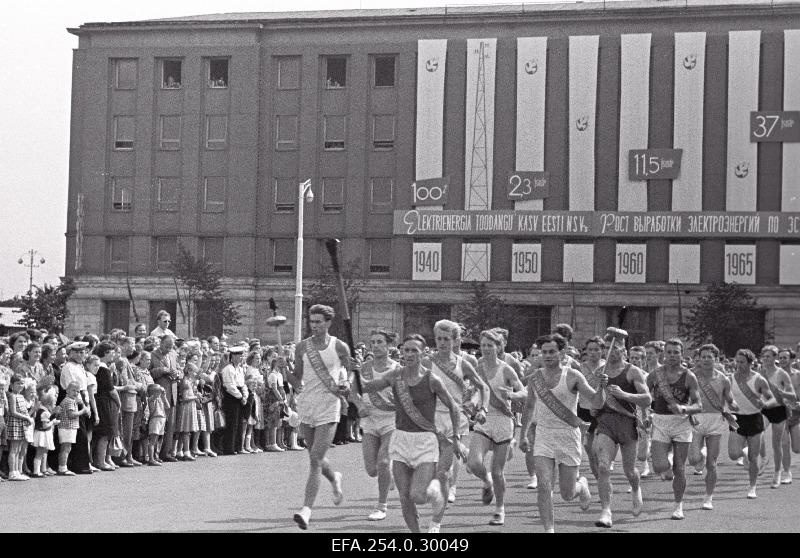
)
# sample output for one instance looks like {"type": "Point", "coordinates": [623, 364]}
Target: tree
{"type": "Point", "coordinates": [728, 317]}
{"type": "Point", "coordinates": [485, 311]}
{"type": "Point", "coordinates": [324, 290]}
{"type": "Point", "coordinates": [46, 307]}
{"type": "Point", "coordinates": [203, 293]}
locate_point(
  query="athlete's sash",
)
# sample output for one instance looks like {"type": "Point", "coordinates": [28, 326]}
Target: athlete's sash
{"type": "Point", "coordinates": [712, 397]}
{"type": "Point", "coordinates": [322, 371]}
{"type": "Point", "coordinates": [666, 392]}
{"type": "Point", "coordinates": [404, 395]}
{"type": "Point", "coordinates": [616, 406]}
{"type": "Point", "coordinates": [450, 373]}
{"type": "Point", "coordinates": [546, 396]}
{"type": "Point", "coordinates": [754, 399]}
{"type": "Point", "coordinates": [494, 399]}
{"type": "Point", "coordinates": [378, 400]}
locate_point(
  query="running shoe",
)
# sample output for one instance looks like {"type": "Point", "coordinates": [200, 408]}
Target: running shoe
{"type": "Point", "coordinates": [605, 519]}
{"type": "Point", "coordinates": [302, 518]}
{"type": "Point", "coordinates": [585, 493]}
{"type": "Point", "coordinates": [678, 513]}
{"type": "Point", "coordinates": [377, 515]}
{"type": "Point", "coordinates": [434, 528]}
{"type": "Point", "coordinates": [698, 470]}
{"type": "Point", "coordinates": [499, 518]}
{"type": "Point", "coordinates": [451, 495]}
{"type": "Point", "coordinates": [751, 494]}
{"type": "Point", "coordinates": [776, 480]}
{"type": "Point", "coordinates": [338, 496]}
{"type": "Point", "coordinates": [708, 503]}
{"type": "Point", "coordinates": [488, 495]}
{"type": "Point", "coordinates": [787, 477]}
{"type": "Point", "coordinates": [533, 484]}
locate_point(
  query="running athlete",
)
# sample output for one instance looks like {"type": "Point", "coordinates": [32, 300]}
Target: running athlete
{"type": "Point", "coordinates": [594, 348]}
{"type": "Point", "coordinates": [713, 420]}
{"type": "Point", "coordinates": [675, 397]}
{"type": "Point", "coordinates": [752, 393]}
{"type": "Point", "coordinates": [320, 380]}
{"type": "Point", "coordinates": [377, 412]}
{"type": "Point", "coordinates": [617, 427]}
{"type": "Point", "coordinates": [558, 437]}
{"type": "Point", "coordinates": [495, 434]}
{"type": "Point", "coordinates": [414, 449]}
{"type": "Point", "coordinates": [637, 357]}
{"type": "Point", "coordinates": [452, 370]}
{"type": "Point", "coordinates": [791, 437]}
{"type": "Point", "coordinates": [781, 385]}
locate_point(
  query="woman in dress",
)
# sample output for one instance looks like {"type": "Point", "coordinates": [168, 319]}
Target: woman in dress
{"type": "Point", "coordinates": [108, 406]}
{"type": "Point", "coordinates": [30, 367]}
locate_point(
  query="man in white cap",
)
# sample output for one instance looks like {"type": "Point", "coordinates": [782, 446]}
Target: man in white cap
{"type": "Point", "coordinates": [234, 397]}
{"type": "Point", "coordinates": [73, 371]}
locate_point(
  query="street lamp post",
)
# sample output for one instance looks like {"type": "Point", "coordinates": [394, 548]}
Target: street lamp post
{"type": "Point", "coordinates": [31, 253]}
{"type": "Point", "coordinates": [304, 194]}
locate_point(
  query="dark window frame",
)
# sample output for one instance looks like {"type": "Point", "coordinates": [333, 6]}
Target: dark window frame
{"type": "Point", "coordinates": [335, 81]}
{"type": "Point", "coordinates": [334, 144]}
{"type": "Point", "coordinates": [375, 59]}
{"type": "Point", "coordinates": [164, 76]}
{"type": "Point", "coordinates": [216, 83]}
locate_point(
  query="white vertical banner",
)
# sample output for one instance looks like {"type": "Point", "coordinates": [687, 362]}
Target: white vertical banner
{"type": "Point", "coordinates": [526, 262]}
{"type": "Point", "coordinates": [429, 149]}
{"type": "Point", "coordinates": [740, 264]}
{"type": "Point", "coordinates": [790, 192]}
{"type": "Point", "coordinates": [690, 77]}
{"type": "Point", "coordinates": [479, 144]}
{"type": "Point", "coordinates": [631, 263]}
{"type": "Point", "coordinates": [583, 53]}
{"type": "Point", "coordinates": [744, 53]}
{"type": "Point", "coordinates": [684, 263]}
{"type": "Point", "coordinates": [531, 94]}
{"type": "Point", "coordinates": [578, 263]}
{"type": "Point", "coordinates": [426, 263]}
{"type": "Point", "coordinates": [789, 264]}
{"type": "Point", "coordinates": [476, 258]}
{"type": "Point", "coordinates": [634, 116]}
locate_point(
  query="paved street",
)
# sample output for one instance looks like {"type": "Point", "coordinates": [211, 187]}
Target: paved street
{"type": "Point", "coordinates": [259, 493]}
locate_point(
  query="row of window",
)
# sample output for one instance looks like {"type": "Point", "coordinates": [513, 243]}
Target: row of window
{"type": "Point", "coordinates": [286, 132]}
{"type": "Point", "coordinates": [288, 72]}
{"type": "Point", "coordinates": [165, 251]}
{"type": "Point", "coordinates": [168, 194]}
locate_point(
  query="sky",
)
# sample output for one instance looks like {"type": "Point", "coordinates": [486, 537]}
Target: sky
{"type": "Point", "coordinates": [35, 118]}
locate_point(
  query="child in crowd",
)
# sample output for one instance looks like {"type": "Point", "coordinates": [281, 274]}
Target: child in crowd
{"type": "Point", "coordinates": [71, 410]}
{"type": "Point", "coordinates": [274, 402]}
{"type": "Point", "coordinates": [18, 420]}
{"type": "Point", "coordinates": [251, 413]}
{"type": "Point", "coordinates": [29, 392]}
{"type": "Point", "coordinates": [187, 412]}
{"type": "Point", "coordinates": [156, 405]}
{"type": "Point", "coordinates": [44, 421]}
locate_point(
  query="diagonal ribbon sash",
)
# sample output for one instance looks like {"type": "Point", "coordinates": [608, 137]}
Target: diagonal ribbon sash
{"type": "Point", "coordinates": [321, 370]}
{"type": "Point", "coordinates": [713, 398]}
{"type": "Point", "coordinates": [614, 404]}
{"type": "Point", "coordinates": [754, 399]}
{"type": "Point", "coordinates": [666, 392]}
{"type": "Point", "coordinates": [407, 403]}
{"type": "Point", "coordinates": [546, 396]}
{"type": "Point", "coordinates": [494, 399]}
{"type": "Point", "coordinates": [378, 400]}
{"type": "Point", "coordinates": [449, 371]}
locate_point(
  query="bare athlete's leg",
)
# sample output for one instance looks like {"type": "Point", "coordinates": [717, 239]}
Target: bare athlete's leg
{"type": "Point", "coordinates": [604, 449]}
{"type": "Point", "coordinates": [320, 439]}
{"type": "Point", "coordinates": [545, 471]}
{"type": "Point", "coordinates": [499, 458]}
{"type": "Point", "coordinates": [529, 461]}
{"type": "Point", "coordinates": [680, 450]}
{"type": "Point", "coordinates": [712, 453]}
{"type": "Point", "coordinates": [753, 447]}
{"type": "Point", "coordinates": [377, 464]}
{"type": "Point", "coordinates": [777, 451]}
{"type": "Point", "coordinates": [403, 477]}
{"type": "Point", "coordinates": [444, 475]}
{"type": "Point", "coordinates": [589, 447]}
{"type": "Point", "coordinates": [479, 446]}
{"type": "Point", "coordinates": [659, 452]}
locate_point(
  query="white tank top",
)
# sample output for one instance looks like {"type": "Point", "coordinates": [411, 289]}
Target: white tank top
{"type": "Point", "coordinates": [386, 394]}
{"type": "Point", "coordinates": [497, 382]}
{"type": "Point", "coordinates": [544, 417]}
{"type": "Point", "coordinates": [455, 390]}
{"type": "Point", "coordinates": [745, 407]}
{"type": "Point", "coordinates": [316, 397]}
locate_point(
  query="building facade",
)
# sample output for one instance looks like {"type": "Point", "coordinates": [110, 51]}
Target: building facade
{"type": "Point", "coordinates": [602, 161]}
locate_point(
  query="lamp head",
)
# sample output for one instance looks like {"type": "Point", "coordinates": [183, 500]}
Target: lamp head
{"type": "Point", "coordinates": [276, 321]}
{"type": "Point", "coordinates": [19, 261]}
{"type": "Point", "coordinates": [309, 196]}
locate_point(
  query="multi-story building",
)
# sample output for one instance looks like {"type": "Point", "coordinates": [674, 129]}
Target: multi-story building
{"type": "Point", "coordinates": [445, 146]}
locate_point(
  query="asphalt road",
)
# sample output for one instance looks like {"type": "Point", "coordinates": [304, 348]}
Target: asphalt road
{"type": "Point", "coordinates": [259, 493]}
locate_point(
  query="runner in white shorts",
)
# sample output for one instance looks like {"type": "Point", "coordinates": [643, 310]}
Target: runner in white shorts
{"type": "Point", "coordinates": [675, 396]}
{"type": "Point", "coordinates": [414, 448]}
{"type": "Point", "coordinates": [715, 393]}
{"type": "Point", "coordinates": [452, 370]}
{"type": "Point", "coordinates": [377, 414]}
{"type": "Point", "coordinates": [496, 433]}
{"type": "Point", "coordinates": [553, 402]}
{"type": "Point", "coordinates": [791, 437]}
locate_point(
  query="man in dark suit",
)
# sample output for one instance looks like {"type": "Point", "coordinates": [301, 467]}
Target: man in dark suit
{"type": "Point", "coordinates": [165, 372]}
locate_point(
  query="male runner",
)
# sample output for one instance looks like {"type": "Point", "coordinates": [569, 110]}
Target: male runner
{"type": "Point", "coordinates": [321, 382]}
{"type": "Point", "coordinates": [617, 427]}
{"type": "Point", "coordinates": [675, 397]}
{"type": "Point", "coordinates": [377, 412]}
{"type": "Point", "coordinates": [791, 437]}
{"type": "Point", "coordinates": [452, 370]}
{"type": "Point", "coordinates": [552, 402]}
{"type": "Point", "coordinates": [496, 433]}
{"type": "Point", "coordinates": [414, 449]}
{"type": "Point", "coordinates": [713, 420]}
{"type": "Point", "coordinates": [781, 385]}
{"type": "Point", "coordinates": [637, 356]}
{"type": "Point", "coordinates": [594, 348]}
{"type": "Point", "coordinates": [752, 393]}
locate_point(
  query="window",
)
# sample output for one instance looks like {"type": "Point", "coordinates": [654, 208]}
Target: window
{"type": "Point", "coordinates": [383, 131]}
{"type": "Point", "coordinates": [166, 252]}
{"type": "Point", "coordinates": [212, 251]}
{"type": "Point", "coordinates": [332, 195]}
{"type": "Point", "coordinates": [170, 132]}
{"type": "Point", "coordinates": [214, 194]}
{"type": "Point", "coordinates": [283, 255]}
{"type": "Point", "coordinates": [121, 194]}
{"type": "Point", "coordinates": [639, 322]}
{"type": "Point", "coordinates": [335, 72]}
{"type": "Point", "coordinates": [381, 194]}
{"type": "Point", "coordinates": [218, 73]}
{"type": "Point", "coordinates": [286, 132]}
{"type": "Point", "coordinates": [125, 73]}
{"type": "Point", "coordinates": [335, 127]}
{"type": "Point", "coordinates": [286, 190]}
{"type": "Point", "coordinates": [419, 318]}
{"type": "Point", "coordinates": [216, 132]}
{"type": "Point", "coordinates": [168, 194]}
{"type": "Point", "coordinates": [171, 74]}
{"type": "Point", "coordinates": [117, 314]}
{"type": "Point", "coordinates": [530, 323]}
{"type": "Point", "coordinates": [208, 318]}
{"type": "Point", "coordinates": [289, 72]}
{"type": "Point", "coordinates": [380, 253]}
{"type": "Point", "coordinates": [124, 132]}
{"type": "Point", "coordinates": [119, 252]}
{"type": "Point", "coordinates": [384, 71]}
